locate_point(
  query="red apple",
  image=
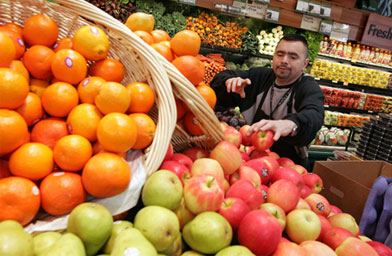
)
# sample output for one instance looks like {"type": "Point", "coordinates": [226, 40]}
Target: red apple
{"type": "Point", "coordinates": [315, 248]}
{"type": "Point", "coordinates": [346, 221]}
{"type": "Point", "coordinates": [353, 246]}
{"type": "Point", "coordinates": [203, 193]}
{"type": "Point", "coordinates": [288, 174]}
{"type": "Point", "coordinates": [334, 210]}
{"type": "Point", "coordinates": [233, 136]}
{"type": "Point", "coordinates": [333, 237]}
{"type": "Point", "coordinates": [325, 226]}
{"type": "Point", "coordinates": [169, 152]}
{"type": "Point", "coordinates": [289, 249]}
{"type": "Point", "coordinates": [195, 153]}
{"type": "Point", "coordinates": [234, 210]}
{"type": "Point", "coordinates": [228, 156]}
{"type": "Point", "coordinates": [179, 169]}
{"type": "Point", "coordinates": [182, 159]}
{"type": "Point", "coordinates": [262, 140]}
{"type": "Point", "coordinates": [380, 248]}
{"type": "Point", "coordinates": [257, 153]}
{"type": "Point", "coordinates": [245, 157]}
{"type": "Point", "coordinates": [302, 225]}
{"type": "Point", "coordinates": [246, 173]}
{"type": "Point", "coordinates": [264, 191]}
{"type": "Point", "coordinates": [319, 204]}
{"type": "Point", "coordinates": [262, 169]}
{"type": "Point", "coordinates": [246, 140]}
{"type": "Point", "coordinates": [305, 191]}
{"type": "Point", "coordinates": [313, 181]}
{"type": "Point", "coordinates": [283, 193]}
{"type": "Point", "coordinates": [207, 166]}
{"type": "Point", "coordinates": [271, 162]}
{"type": "Point", "coordinates": [226, 185]}
{"type": "Point", "coordinates": [260, 232]}
{"type": "Point", "coordinates": [299, 168]}
{"type": "Point", "coordinates": [245, 190]}
{"type": "Point", "coordinates": [285, 162]}
{"type": "Point", "coordinates": [274, 155]}
{"type": "Point", "coordinates": [276, 211]}
{"type": "Point", "coordinates": [364, 238]}
{"type": "Point", "coordinates": [284, 240]}
{"type": "Point", "coordinates": [183, 214]}
{"type": "Point", "coordinates": [302, 204]}
{"type": "Point", "coordinates": [223, 125]}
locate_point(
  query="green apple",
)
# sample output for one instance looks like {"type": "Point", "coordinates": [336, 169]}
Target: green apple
{"type": "Point", "coordinates": [131, 241]}
{"type": "Point", "coordinates": [159, 225]}
{"type": "Point", "coordinates": [191, 253]}
{"type": "Point", "coordinates": [44, 241]}
{"type": "Point", "coordinates": [302, 225]}
{"type": "Point", "coordinates": [118, 226]}
{"type": "Point", "coordinates": [163, 188]}
{"type": "Point", "coordinates": [14, 240]}
{"type": "Point", "coordinates": [93, 223]}
{"type": "Point", "coordinates": [67, 244]}
{"type": "Point", "coordinates": [237, 250]}
{"type": "Point", "coordinates": [175, 249]}
{"type": "Point", "coordinates": [208, 232]}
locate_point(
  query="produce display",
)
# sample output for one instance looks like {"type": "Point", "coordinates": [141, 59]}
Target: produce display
{"type": "Point", "coordinates": [344, 120]}
{"type": "Point", "coordinates": [231, 116]}
{"type": "Point", "coordinates": [268, 41]}
{"type": "Point", "coordinates": [331, 136]}
{"type": "Point", "coordinates": [248, 63]}
{"type": "Point", "coordinates": [346, 73]}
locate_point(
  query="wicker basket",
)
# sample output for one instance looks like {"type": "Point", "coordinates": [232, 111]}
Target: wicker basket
{"type": "Point", "coordinates": [140, 61]}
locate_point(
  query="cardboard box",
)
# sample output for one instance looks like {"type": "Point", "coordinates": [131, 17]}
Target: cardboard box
{"type": "Point", "coordinates": [348, 183]}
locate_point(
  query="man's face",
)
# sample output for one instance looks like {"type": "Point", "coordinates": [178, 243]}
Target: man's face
{"type": "Point", "coordinates": [289, 61]}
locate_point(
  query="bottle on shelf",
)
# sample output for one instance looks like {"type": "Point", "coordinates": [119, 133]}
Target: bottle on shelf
{"type": "Point", "coordinates": [348, 51]}
{"type": "Point", "coordinates": [324, 45]}
{"type": "Point", "coordinates": [375, 57]}
{"type": "Point", "coordinates": [362, 54]}
{"type": "Point", "coordinates": [367, 54]}
{"type": "Point", "coordinates": [333, 48]}
{"type": "Point", "coordinates": [356, 54]}
{"type": "Point", "coordinates": [372, 55]}
{"type": "Point", "coordinates": [339, 49]}
{"type": "Point", "coordinates": [380, 56]}
{"type": "Point", "coordinates": [387, 58]}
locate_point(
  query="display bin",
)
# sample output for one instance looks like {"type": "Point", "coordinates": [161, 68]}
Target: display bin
{"type": "Point", "coordinates": [348, 183]}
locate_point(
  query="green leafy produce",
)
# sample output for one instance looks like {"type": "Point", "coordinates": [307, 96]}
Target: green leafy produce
{"type": "Point", "coordinates": [314, 40]}
{"type": "Point", "coordinates": [289, 30]}
{"type": "Point", "coordinates": [250, 43]}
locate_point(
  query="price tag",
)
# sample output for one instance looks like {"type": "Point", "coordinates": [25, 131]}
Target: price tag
{"type": "Point", "coordinates": [256, 10]}
{"type": "Point", "coordinates": [191, 2]}
{"type": "Point", "coordinates": [272, 15]}
{"type": "Point", "coordinates": [262, 1]}
{"type": "Point", "coordinates": [302, 6]}
{"type": "Point", "coordinates": [314, 8]}
{"type": "Point", "coordinates": [310, 23]}
{"type": "Point", "coordinates": [325, 27]}
{"type": "Point", "coordinates": [334, 81]}
{"type": "Point", "coordinates": [345, 83]}
{"type": "Point", "coordinates": [325, 11]}
{"type": "Point", "coordinates": [340, 32]}
{"type": "Point", "coordinates": [239, 3]}
{"type": "Point", "coordinates": [317, 78]}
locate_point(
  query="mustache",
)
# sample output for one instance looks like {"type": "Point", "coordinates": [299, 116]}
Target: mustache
{"type": "Point", "coordinates": [283, 66]}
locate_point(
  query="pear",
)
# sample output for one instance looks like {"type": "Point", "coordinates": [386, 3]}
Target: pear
{"type": "Point", "coordinates": [237, 250]}
{"type": "Point", "coordinates": [118, 226]}
{"type": "Point", "coordinates": [159, 225]}
{"type": "Point", "coordinates": [131, 241]}
{"type": "Point", "coordinates": [44, 241]}
{"type": "Point", "coordinates": [14, 241]}
{"type": "Point", "coordinates": [175, 249]}
{"type": "Point", "coordinates": [208, 232]}
{"type": "Point", "coordinates": [92, 223]}
{"type": "Point", "coordinates": [191, 253]}
{"type": "Point", "coordinates": [67, 245]}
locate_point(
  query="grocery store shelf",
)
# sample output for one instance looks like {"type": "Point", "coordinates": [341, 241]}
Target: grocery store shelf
{"type": "Point", "coordinates": [358, 63]}
{"type": "Point", "coordinates": [331, 147]}
{"type": "Point", "coordinates": [339, 127]}
{"type": "Point", "coordinates": [349, 110]}
{"type": "Point", "coordinates": [355, 87]}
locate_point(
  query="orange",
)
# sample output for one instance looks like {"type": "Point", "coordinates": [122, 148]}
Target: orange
{"type": "Point", "coordinates": [14, 27]}
{"type": "Point", "coordinates": [145, 130]}
{"type": "Point", "coordinates": [61, 192]}
{"type": "Point", "coordinates": [167, 43]}
{"type": "Point", "coordinates": [48, 131]}
{"type": "Point", "coordinates": [112, 97]}
{"type": "Point", "coordinates": [4, 169]}
{"type": "Point", "coordinates": [32, 161]}
{"type": "Point", "coordinates": [59, 99]}
{"type": "Point", "coordinates": [105, 175]}
{"type": "Point", "coordinates": [142, 97]}
{"type": "Point", "coordinates": [72, 152]}
{"type": "Point", "coordinates": [140, 21]}
{"type": "Point", "coordinates": [186, 42]}
{"type": "Point", "coordinates": [13, 131]}
{"type": "Point", "coordinates": [147, 37]}
{"type": "Point", "coordinates": [7, 50]}
{"type": "Point", "coordinates": [92, 42]}
{"type": "Point", "coordinates": [181, 108]}
{"type": "Point", "coordinates": [63, 43]}
{"type": "Point", "coordinates": [40, 29]}
{"type": "Point", "coordinates": [191, 124]}
{"type": "Point", "coordinates": [13, 88]}
{"type": "Point", "coordinates": [19, 199]}
{"type": "Point", "coordinates": [89, 87]}
{"type": "Point", "coordinates": [38, 86]}
{"type": "Point", "coordinates": [83, 120]}
{"type": "Point", "coordinates": [160, 35]}
{"type": "Point", "coordinates": [31, 110]}
{"type": "Point", "coordinates": [109, 69]}
{"type": "Point", "coordinates": [117, 132]}
{"type": "Point", "coordinates": [69, 66]}
{"type": "Point", "coordinates": [38, 60]}
{"type": "Point", "coordinates": [164, 51]}
{"type": "Point", "coordinates": [98, 148]}
{"type": "Point", "coordinates": [190, 67]}
{"type": "Point", "coordinates": [208, 94]}
{"type": "Point", "coordinates": [18, 66]}
{"type": "Point", "coordinates": [17, 40]}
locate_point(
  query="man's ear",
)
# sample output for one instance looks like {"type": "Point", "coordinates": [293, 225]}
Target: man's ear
{"type": "Point", "coordinates": [306, 63]}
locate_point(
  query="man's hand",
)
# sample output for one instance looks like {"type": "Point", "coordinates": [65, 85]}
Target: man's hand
{"type": "Point", "coordinates": [279, 127]}
{"type": "Point", "coordinates": [237, 84]}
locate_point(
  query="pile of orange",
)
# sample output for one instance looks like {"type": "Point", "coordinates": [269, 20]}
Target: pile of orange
{"type": "Point", "coordinates": [181, 51]}
{"type": "Point", "coordinates": [66, 121]}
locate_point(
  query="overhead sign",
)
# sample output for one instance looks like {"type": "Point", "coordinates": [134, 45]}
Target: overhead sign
{"type": "Point", "coordinates": [378, 31]}
{"type": "Point", "coordinates": [310, 23]}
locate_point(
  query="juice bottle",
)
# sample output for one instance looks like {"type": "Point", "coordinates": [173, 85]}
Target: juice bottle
{"type": "Point", "coordinates": [380, 56]}
{"type": "Point", "coordinates": [339, 50]}
{"type": "Point", "coordinates": [371, 55]}
{"type": "Point", "coordinates": [375, 57]}
{"type": "Point", "coordinates": [367, 54]}
{"type": "Point", "coordinates": [348, 51]}
{"type": "Point", "coordinates": [362, 54]}
{"type": "Point", "coordinates": [357, 53]}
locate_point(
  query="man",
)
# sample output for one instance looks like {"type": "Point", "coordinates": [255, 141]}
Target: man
{"type": "Point", "coordinates": [283, 100]}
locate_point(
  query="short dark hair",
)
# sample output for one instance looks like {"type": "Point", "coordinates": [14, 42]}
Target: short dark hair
{"type": "Point", "coordinates": [296, 38]}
